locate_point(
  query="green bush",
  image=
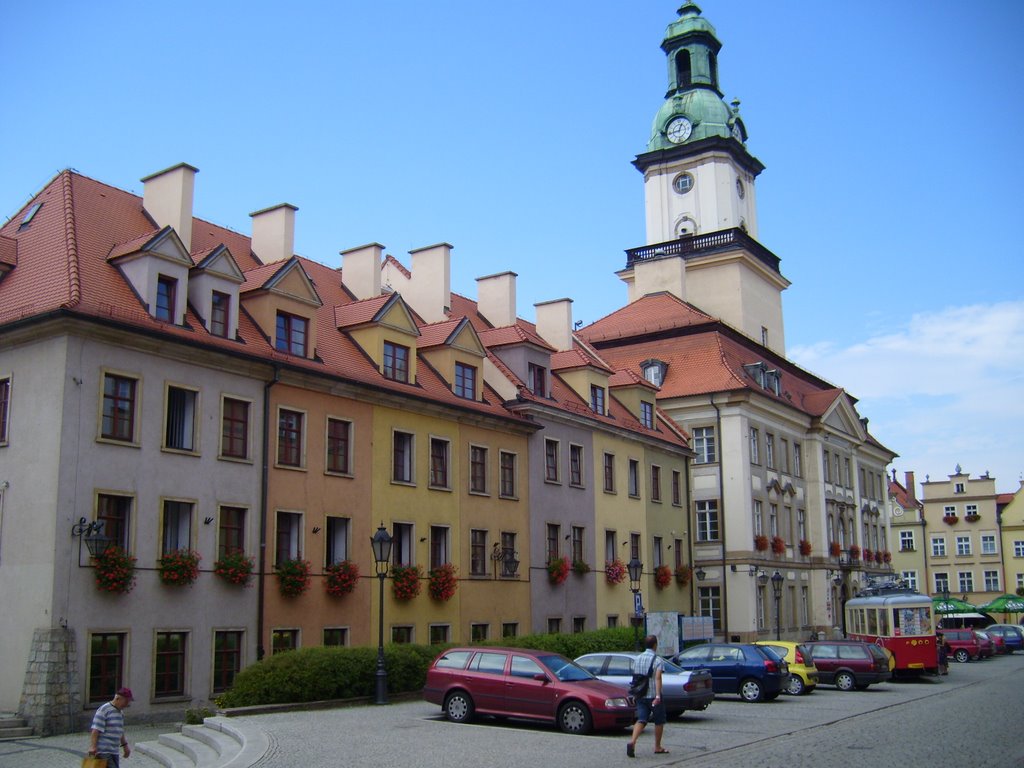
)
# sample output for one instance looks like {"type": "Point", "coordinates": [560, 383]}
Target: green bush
{"type": "Point", "coordinates": [326, 673]}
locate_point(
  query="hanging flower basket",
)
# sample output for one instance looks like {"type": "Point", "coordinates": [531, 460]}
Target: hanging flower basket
{"type": "Point", "coordinates": [950, 519]}
{"type": "Point", "coordinates": [115, 571]}
{"type": "Point", "coordinates": [760, 543]}
{"type": "Point", "coordinates": [854, 552]}
{"type": "Point", "coordinates": [662, 576]}
{"type": "Point", "coordinates": [443, 582]}
{"type": "Point", "coordinates": [778, 545]}
{"type": "Point", "coordinates": [405, 581]}
{"type": "Point", "coordinates": [292, 577]}
{"type": "Point", "coordinates": [580, 567]}
{"type": "Point", "coordinates": [683, 574]}
{"type": "Point", "coordinates": [235, 568]}
{"type": "Point", "coordinates": [558, 569]}
{"type": "Point", "coordinates": [179, 568]}
{"type": "Point", "coordinates": [972, 518]}
{"type": "Point", "coordinates": [615, 571]}
{"type": "Point", "coordinates": [834, 549]}
{"type": "Point", "coordinates": [341, 578]}
{"type": "Point", "coordinates": [805, 547]}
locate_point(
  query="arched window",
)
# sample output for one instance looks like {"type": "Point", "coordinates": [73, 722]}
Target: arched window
{"type": "Point", "coordinates": [713, 68]}
{"type": "Point", "coordinates": [686, 227]}
{"type": "Point", "coordinates": [684, 72]}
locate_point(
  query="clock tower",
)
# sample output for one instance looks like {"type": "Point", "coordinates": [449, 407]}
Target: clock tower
{"type": "Point", "coordinates": [700, 197]}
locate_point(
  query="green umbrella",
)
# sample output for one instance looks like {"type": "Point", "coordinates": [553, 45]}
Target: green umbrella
{"type": "Point", "coordinates": [951, 605]}
{"type": "Point", "coordinates": [1004, 604]}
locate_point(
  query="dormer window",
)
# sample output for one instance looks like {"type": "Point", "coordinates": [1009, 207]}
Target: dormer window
{"type": "Point", "coordinates": [773, 380]}
{"type": "Point", "coordinates": [292, 332]}
{"type": "Point", "coordinates": [654, 371]}
{"type": "Point", "coordinates": [756, 372]}
{"type": "Point", "coordinates": [166, 298]}
{"type": "Point", "coordinates": [647, 414]}
{"type": "Point", "coordinates": [597, 399]}
{"type": "Point", "coordinates": [465, 381]}
{"type": "Point", "coordinates": [537, 380]}
{"type": "Point", "coordinates": [396, 362]}
{"type": "Point", "coordinates": [220, 312]}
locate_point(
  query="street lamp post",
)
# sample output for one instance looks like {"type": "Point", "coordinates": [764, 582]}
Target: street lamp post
{"type": "Point", "coordinates": [777, 579]}
{"type": "Point", "coordinates": [636, 569]}
{"type": "Point", "coordinates": [381, 543]}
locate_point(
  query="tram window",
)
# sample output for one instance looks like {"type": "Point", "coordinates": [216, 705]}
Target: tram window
{"type": "Point", "coordinates": [872, 622]}
{"type": "Point", "coordinates": [883, 622]}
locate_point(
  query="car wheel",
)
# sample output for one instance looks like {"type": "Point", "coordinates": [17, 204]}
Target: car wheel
{"type": "Point", "coordinates": [458, 707]}
{"type": "Point", "coordinates": [751, 691]}
{"type": "Point", "coordinates": [962, 656]}
{"type": "Point", "coordinates": [574, 717]}
{"type": "Point", "coordinates": [845, 681]}
{"type": "Point", "coordinates": [795, 687]}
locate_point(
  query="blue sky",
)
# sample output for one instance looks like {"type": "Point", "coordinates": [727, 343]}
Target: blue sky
{"type": "Point", "coordinates": [890, 133]}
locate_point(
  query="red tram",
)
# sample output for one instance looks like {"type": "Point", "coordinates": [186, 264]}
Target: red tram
{"type": "Point", "coordinates": [899, 620]}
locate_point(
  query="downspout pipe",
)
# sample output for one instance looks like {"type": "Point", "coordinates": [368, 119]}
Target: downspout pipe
{"type": "Point", "coordinates": [721, 520]}
{"type": "Point", "coordinates": [264, 492]}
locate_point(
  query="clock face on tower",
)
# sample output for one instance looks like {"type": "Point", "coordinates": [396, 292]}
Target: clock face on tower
{"type": "Point", "coordinates": [678, 130]}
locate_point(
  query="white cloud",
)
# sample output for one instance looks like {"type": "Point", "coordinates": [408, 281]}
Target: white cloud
{"type": "Point", "coordinates": [945, 389]}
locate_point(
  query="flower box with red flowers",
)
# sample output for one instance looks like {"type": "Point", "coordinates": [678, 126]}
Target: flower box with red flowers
{"type": "Point", "coordinates": [778, 545]}
{"type": "Point", "coordinates": [972, 518]}
{"type": "Point", "coordinates": [115, 571]}
{"type": "Point", "coordinates": [405, 581]}
{"type": "Point", "coordinates": [760, 543]}
{"type": "Point", "coordinates": [442, 582]}
{"type": "Point", "coordinates": [341, 578]}
{"type": "Point", "coordinates": [886, 556]}
{"type": "Point", "coordinates": [683, 574]}
{"type": "Point", "coordinates": [868, 555]}
{"type": "Point", "coordinates": [662, 576]}
{"type": "Point", "coordinates": [854, 552]}
{"type": "Point", "coordinates": [805, 547]}
{"type": "Point", "coordinates": [949, 519]}
{"type": "Point", "coordinates": [558, 569]}
{"type": "Point", "coordinates": [834, 549]}
{"type": "Point", "coordinates": [292, 576]}
{"type": "Point", "coordinates": [179, 568]}
{"type": "Point", "coordinates": [235, 567]}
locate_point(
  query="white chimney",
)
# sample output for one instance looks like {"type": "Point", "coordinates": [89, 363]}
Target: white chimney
{"type": "Point", "coordinates": [496, 298]}
{"type": "Point", "coordinates": [360, 270]}
{"type": "Point", "coordinates": [664, 273]}
{"type": "Point", "coordinates": [554, 323]}
{"type": "Point", "coordinates": [273, 233]}
{"type": "Point", "coordinates": [429, 292]}
{"type": "Point", "coordinates": [167, 197]}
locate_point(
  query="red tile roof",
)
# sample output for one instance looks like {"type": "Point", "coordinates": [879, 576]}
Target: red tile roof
{"type": "Point", "coordinates": [437, 334]}
{"type": "Point", "coordinates": [513, 334]}
{"type": "Point", "coordinates": [654, 313]}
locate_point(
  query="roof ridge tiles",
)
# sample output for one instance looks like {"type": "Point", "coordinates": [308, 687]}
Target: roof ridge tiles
{"type": "Point", "coordinates": [71, 242]}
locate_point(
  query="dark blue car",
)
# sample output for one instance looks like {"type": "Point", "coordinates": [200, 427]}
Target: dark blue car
{"type": "Point", "coordinates": [753, 672]}
{"type": "Point", "coordinates": [1011, 634]}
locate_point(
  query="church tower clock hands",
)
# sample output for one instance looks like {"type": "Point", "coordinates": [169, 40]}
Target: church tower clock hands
{"type": "Point", "coordinates": [699, 196]}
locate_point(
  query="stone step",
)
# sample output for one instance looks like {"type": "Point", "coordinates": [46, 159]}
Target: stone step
{"type": "Point", "coordinates": [225, 743]}
{"type": "Point", "coordinates": [167, 756]}
{"type": "Point", "coordinates": [13, 727]}
{"type": "Point", "coordinates": [199, 752]}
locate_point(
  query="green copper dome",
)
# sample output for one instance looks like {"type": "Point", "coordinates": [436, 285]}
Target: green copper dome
{"type": "Point", "coordinates": [694, 108]}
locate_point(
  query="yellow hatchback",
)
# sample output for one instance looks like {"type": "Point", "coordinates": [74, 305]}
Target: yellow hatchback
{"type": "Point", "coordinates": [803, 675]}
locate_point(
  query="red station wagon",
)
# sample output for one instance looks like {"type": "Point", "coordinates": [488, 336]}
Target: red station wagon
{"type": "Point", "coordinates": [964, 644]}
{"type": "Point", "coordinates": [525, 683]}
{"type": "Point", "coordinates": [849, 664]}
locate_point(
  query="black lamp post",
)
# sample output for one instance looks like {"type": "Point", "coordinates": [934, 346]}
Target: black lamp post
{"type": "Point", "coordinates": [635, 568]}
{"type": "Point", "coordinates": [777, 579]}
{"type": "Point", "coordinates": [381, 543]}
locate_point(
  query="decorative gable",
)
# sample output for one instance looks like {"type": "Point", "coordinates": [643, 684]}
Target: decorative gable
{"type": "Point", "coordinates": [283, 301]}
{"type": "Point", "coordinates": [454, 350]}
{"type": "Point", "coordinates": [213, 287]}
{"type": "Point", "coordinates": [157, 267]}
{"type": "Point", "coordinates": [585, 376]}
{"type": "Point", "coordinates": [385, 329]}
{"type": "Point", "coordinates": [842, 417]}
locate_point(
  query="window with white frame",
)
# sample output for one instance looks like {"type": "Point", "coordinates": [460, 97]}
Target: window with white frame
{"type": "Point", "coordinates": [907, 541]}
{"type": "Point", "coordinates": [949, 510]}
{"type": "Point", "coordinates": [758, 522]}
{"type": "Point", "coordinates": [177, 526]}
{"type": "Point", "coordinates": [647, 414]}
{"type": "Point", "coordinates": [707, 520]}
{"type": "Point", "coordinates": [655, 482]}
{"type": "Point", "coordinates": [963, 545]}
{"type": "Point", "coordinates": [958, 488]}
{"type": "Point", "coordinates": [440, 452]}
{"type": "Point", "coordinates": [909, 579]}
{"type": "Point", "coordinates": [755, 446]}
{"type": "Point", "coordinates": [992, 581]}
{"type": "Point", "coordinates": [1018, 549]}
{"type": "Point", "coordinates": [551, 461]}
{"type": "Point", "coordinates": [439, 542]}
{"type": "Point", "coordinates": [704, 445]}
{"type": "Point", "coordinates": [634, 478]}
{"type": "Point", "coordinates": [180, 418]}
{"type": "Point", "coordinates": [965, 579]}
{"type": "Point", "coordinates": [288, 543]}
{"type": "Point", "coordinates": [938, 546]}
{"type": "Point", "coordinates": [337, 539]}
{"type": "Point", "coordinates": [988, 544]}
{"type": "Point", "coordinates": [970, 510]}
{"type": "Point", "coordinates": [576, 465]}
{"type": "Point", "coordinates": [941, 581]}
{"type": "Point", "coordinates": [797, 461]}
{"type": "Point", "coordinates": [801, 525]}
{"type": "Point", "coordinates": [1020, 581]}
{"type": "Point", "coordinates": [773, 519]}
{"type": "Point", "coordinates": [769, 450]}
{"type": "Point", "coordinates": [402, 544]}
{"type": "Point", "coordinates": [402, 457]}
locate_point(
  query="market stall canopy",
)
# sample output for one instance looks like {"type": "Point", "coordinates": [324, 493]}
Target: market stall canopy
{"type": "Point", "coordinates": [1004, 604]}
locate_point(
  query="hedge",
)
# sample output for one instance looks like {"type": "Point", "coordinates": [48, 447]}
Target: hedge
{"type": "Point", "coordinates": [325, 673]}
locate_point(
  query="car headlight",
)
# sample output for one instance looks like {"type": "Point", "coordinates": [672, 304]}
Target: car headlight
{"type": "Point", "coordinates": [617, 703]}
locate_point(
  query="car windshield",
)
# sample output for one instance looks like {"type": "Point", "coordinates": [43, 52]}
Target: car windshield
{"type": "Point", "coordinates": [565, 670]}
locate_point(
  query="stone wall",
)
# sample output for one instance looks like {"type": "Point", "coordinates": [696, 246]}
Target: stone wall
{"type": "Point", "coordinates": [50, 697]}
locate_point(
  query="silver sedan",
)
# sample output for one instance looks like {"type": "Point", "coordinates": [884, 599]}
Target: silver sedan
{"type": "Point", "coordinates": [681, 689]}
